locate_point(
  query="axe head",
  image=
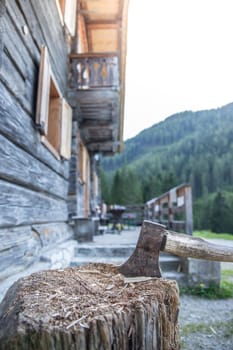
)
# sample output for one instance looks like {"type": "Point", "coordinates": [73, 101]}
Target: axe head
{"type": "Point", "coordinates": [145, 259]}
{"type": "Point", "coordinates": [155, 237]}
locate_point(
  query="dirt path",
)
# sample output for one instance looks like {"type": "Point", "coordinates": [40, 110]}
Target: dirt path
{"type": "Point", "coordinates": [206, 324]}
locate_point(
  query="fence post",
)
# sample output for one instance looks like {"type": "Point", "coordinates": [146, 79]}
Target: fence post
{"type": "Point", "coordinates": [188, 210]}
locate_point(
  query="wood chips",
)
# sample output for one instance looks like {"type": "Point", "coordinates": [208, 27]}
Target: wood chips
{"type": "Point", "coordinates": [91, 307]}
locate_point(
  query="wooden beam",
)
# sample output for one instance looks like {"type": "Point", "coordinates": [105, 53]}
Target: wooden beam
{"type": "Point", "coordinates": [94, 54]}
{"type": "Point", "coordinates": [95, 105]}
{"type": "Point", "coordinates": [98, 128]}
{"type": "Point", "coordinates": [113, 23]}
{"type": "Point", "coordinates": [97, 115]}
{"type": "Point", "coordinates": [88, 123]}
{"type": "Point", "coordinates": [98, 104]}
{"type": "Point", "coordinates": [101, 25]}
{"type": "Point", "coordinates": [101, 146]}
{"type": "Point", "coordinates": [98, 139]}
{"type": "Point", "coordinates": [96, 110]}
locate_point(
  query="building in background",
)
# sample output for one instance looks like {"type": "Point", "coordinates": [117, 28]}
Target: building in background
{"type": "Point", "coordinates": [62, 76]}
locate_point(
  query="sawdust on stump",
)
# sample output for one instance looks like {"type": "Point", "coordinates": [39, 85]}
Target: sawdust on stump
{"type": "Point", "coordinates": [91, 307]}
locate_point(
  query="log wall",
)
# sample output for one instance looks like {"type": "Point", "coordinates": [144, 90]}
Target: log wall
{"type": "Point", "coordinates": [33, 183]}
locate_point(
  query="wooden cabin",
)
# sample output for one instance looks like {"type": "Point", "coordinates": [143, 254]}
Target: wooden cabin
{"type": "Point", "coordinates": [62, 75]}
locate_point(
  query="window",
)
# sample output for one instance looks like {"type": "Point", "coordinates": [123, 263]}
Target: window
{"type": "Point", "coordinates": [80, 162]}
{"type": "Point", "coordinates": [67, 14]}
{"type": "Point", "coordinates": [82, 45]}
{"type": "Point", "coordinates": [83, 162]}
{"type": "Point", "coordinates": [66, 130]}
{"type": "Point", "coordinates": [84, 174]}
{"type": "Point", "coordinates": [53, 114]}
{"type": "Point", "coordinates": [95, 184]}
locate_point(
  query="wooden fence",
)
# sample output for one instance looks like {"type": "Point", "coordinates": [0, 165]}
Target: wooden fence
{"type": "Point", "coordinates": [173, 209]}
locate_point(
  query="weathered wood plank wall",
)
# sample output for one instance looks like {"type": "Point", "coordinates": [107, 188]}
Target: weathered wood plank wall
{"type": "Point", "coordinates": [18, 127]}
{"type": "Point", "coordinates": [33, 183]}
{"type": "Point", "coordinates": [22, 246]}
{"type": "Point", "coordinates": [20, 167]}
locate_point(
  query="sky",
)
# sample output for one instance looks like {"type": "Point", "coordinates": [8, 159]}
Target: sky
{"type": "Point", "coordinates": [179, 57]}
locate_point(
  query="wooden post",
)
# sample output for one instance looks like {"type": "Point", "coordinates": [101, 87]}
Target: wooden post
{"type": "Point", "coordinates": [153, 211]}
{"type": "Point", "coordinates": [170, 210]}
{"type": "Point", "coordinates": [160, 214]}
{"type": "Point", "coordinates": [188, 210]}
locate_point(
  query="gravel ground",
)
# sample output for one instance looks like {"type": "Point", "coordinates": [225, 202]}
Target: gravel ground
{"type": "Point", "coordinates": [206, 324]}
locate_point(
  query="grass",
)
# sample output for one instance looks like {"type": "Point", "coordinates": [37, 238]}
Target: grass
{"type": "Point", "coordinates": [227, 328]}
{"type": "Point", "coordinates": [224, 291]}
{"type": "Point", "coordinates": [228, 331]}
{"type": "Point", "coordinates": [212, 235]}
{"type": "Point", "coordinates": [226, 274]}
{"type": "Point", "coordinates": [195, 328]}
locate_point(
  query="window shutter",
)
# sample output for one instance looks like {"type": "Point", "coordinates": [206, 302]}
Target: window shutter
{"type": "Point", "coordinates": [54, 123]}
{"type": "Point", "coordinates": [87, 183]}
{"type": "Point", "coordinates": [66, 130]}
{"type": "Point", "coordinates": [70, 16]}
{"type": "Point", "coordinates": [80, 160]}
{"type": "Point", "coordinates": [61, 9]}
{"type": "Point", "coordinates": [43, 92]}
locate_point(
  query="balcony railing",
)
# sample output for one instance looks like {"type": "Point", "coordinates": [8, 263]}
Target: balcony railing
{"type": "Point", "coordinates": [94, 71]}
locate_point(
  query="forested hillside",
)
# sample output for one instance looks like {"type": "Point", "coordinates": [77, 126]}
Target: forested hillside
{"type": "Point", "coordinates": [193, 147]}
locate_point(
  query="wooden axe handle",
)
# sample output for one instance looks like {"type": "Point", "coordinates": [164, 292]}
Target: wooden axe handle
{"type": "Point", "coordinates": [194, 247]}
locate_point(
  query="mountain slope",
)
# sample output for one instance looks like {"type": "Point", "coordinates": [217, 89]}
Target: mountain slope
{"type": "Point", "coordinates": [193, 147]}
{"type": "Point", "coordinates": [184, 133]}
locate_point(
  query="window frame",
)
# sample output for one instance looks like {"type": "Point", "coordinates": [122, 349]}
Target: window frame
{"type": "Point", "coordinates": [84, 173]}
{"type": "Point", "coordinates": [83, 158]}
{"type": "Point", "coordinates": [66, 130]}
{"type": "Point", "coordinates": [48, 92]}
{"type": "Point", "coordinates": [67, 13]}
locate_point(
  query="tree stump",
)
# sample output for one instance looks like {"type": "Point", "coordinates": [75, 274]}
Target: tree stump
{"type": "Point", "coordinates": [89, 308]}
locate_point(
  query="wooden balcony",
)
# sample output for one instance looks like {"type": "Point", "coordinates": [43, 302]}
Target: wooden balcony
{"type": "Point", "coordinates": [94, 71]}
{"type": "Point", "coordinates": [94, 89]}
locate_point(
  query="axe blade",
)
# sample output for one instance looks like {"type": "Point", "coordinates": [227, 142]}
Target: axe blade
{"type": "Point", "coordinates": [145, 259]}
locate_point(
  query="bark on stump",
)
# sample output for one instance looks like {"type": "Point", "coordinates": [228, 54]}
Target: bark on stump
{"type": "Point", "coordinates": [87, 308]}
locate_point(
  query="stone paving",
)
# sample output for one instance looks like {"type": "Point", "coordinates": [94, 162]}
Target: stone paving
{"type": "Point", "coordinates": [129, 236]}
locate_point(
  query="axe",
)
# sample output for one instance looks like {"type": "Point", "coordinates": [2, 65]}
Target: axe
{"type": "Point", "coordinates": [155, 237]}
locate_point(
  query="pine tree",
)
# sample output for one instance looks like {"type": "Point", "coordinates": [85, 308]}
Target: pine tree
{"type": "Point", "coordinates": [220, 215]}
{"type": "Point", "coordinates": [126, 188]}
{"type": "Point", "coordinates": [169, 181]}
{"type": "Point", "coordinates": [105, 187]}
{"type": "Point", "coordinates": [117, 188]}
